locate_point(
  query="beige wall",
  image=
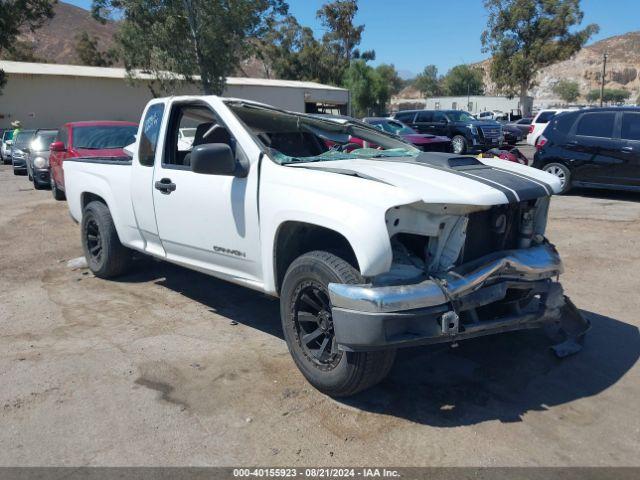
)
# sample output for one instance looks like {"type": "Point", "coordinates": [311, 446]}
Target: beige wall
{"type": "Point", "coordinates": [41, 101]}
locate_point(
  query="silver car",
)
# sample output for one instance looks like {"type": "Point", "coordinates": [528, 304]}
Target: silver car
{"type": "Point", "coordinates": [5, 146]}
{"type": "Point", "coordinates": [18, 151]}
{"type": "Point", "coordinates": [38, 158]}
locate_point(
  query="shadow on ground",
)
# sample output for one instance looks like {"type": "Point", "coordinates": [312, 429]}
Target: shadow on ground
{"type": "Point", "coordinates": [500, 377]}
{"type": "Point", "coordinates": [604, 194]}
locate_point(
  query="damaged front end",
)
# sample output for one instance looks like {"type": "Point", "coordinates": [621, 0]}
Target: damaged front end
{"type": "Point", "coordinates": [459, 272]}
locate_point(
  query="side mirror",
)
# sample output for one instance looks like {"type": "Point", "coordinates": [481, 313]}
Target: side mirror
{"type": "Point", "coordinates": [215, 159]}
{"type": "Point", "coordinates": [57, 147]}
{"type": "Point", "coordinates": [9, 142]}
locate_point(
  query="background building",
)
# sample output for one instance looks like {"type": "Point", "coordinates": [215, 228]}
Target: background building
{"type": "Point", "coordinates": [477, 103]}
{"type": "Point", "coordinates": [47, 95]}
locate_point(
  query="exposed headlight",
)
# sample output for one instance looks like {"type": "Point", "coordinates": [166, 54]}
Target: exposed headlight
{"type": "Point", "coordinates": [40, 162]}
{"type": "Point", "coordinates": [474, 130]}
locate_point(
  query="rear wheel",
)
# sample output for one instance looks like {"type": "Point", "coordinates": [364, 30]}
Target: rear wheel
{"type": "Point", "coordinates": [562, 172]}
{"type": "Point", "coordinates": [56, 192]}
{"type": "Point", "coordinates": [106, 256]}
{"type": "Point", "coordinates": [459, 144]}
{"type": "Point", "coordinates": [308, 328]}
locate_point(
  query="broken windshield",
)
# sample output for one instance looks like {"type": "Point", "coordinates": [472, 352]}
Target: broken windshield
{"type": "Point", "coordinates": [294, 138]}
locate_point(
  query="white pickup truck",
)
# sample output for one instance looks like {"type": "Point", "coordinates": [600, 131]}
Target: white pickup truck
{"type": "Point", "coordinates": [370, 245]}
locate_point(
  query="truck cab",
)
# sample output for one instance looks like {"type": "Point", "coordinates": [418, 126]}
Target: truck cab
{"type": "Point", "coordinates": [367, 249]}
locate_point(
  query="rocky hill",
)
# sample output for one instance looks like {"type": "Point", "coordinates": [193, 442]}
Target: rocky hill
{"type": "Point", "coordinates": [55, 41]}
{"type": "Point", "coordinates": [585, 68]}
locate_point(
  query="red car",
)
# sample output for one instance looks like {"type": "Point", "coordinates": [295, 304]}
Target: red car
{"type": "Point", "coordinates": [424, 141]}
{"type": "Point", "coordinates": [87, 139]}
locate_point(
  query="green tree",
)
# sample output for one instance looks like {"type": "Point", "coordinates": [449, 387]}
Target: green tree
{"type": "Point", "coordinates": [524, 36]}
{"type": "Point", "coordinates": [567, 90]}
{"type": "Point", "coordinates": [290, 51]}
{"type": "Point", "coordinates": [463, 80]}
{"type": "Point", "coordinates": [175, 40]}
{"type": "Point", "coordinates": [341, 38]}
{"type": "Point", "coordinates": [16, 15]}
{"type": "Point", "coordinates": [21, 51]}
{"type": "Point", "coordinates": [611, 95]}
{"type": "Point", "coordinates": [361, 80]}
{"type": "Point", "coordinates": [390, 77]}
{"type": "Point", "coordinates": [428, 82]}
{"type": "Point", "coordinates": [89, 54]}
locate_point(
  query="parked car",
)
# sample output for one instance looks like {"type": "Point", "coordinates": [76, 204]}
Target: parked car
{"type": "Point", "coordinates": [522, 124]}
{"type": "Point", "coordinates": [466, 133]}
{"type": "Point", "coordinates": [539, 123]}
{"type": "Point", "coordinates": [424, 141]}
{"type": "Point", "coordinates": [87, 139]}
{"type": "Point", "coordinates": [38, 158]}
{"type": "Point", "coordinates": [5, 147]}
{"type": "Point", "coordinates": [595, 147]}
{"type": "Point", "coordinates": [368, 251]}
{"type": "Point", "coordinates": [490, 115]}
{"type": "Point", "coordinates": [511, 134]}
{"type": "Point", "coordinates": [19, 151]}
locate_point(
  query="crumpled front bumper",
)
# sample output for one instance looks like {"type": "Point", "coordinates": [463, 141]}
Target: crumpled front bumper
{"type": "Point", "coordinates": [367, 317]}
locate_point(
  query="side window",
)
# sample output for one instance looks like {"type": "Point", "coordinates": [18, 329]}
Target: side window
{"type": "Point", "coordinates": [544, 117]}
{"type": "Point", "coordinates": [405, 116]}
{"type": "Point", "coordinates": [191, 125]}
{"type": "Point", "coordinates": [564, 122]}
{"type": "Point", "coordinates": [596, 125]}
{"type": "Point", "coordinates": [63, 137]}
{"type": "Point", "coordinates": [439, 117]}
{"type": "Point", "coordinates": [149, 136]}
{"type": "Point", "coordinates": [424, 116]}
{"type": "Point", "coordinates": [631, 126]}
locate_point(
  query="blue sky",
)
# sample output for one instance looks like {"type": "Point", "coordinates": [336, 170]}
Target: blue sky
{"type": "Point", "coordinates": [414, 33]}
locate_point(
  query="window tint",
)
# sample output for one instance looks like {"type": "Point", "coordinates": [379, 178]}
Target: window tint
{"type": "Point", "coordinates": [544, 117]}
{"type": "Point", "coordinates": [149, 136]}
{"type": "Point", "coordinates": [564, 122]}
{"type": "Point", "coordinates": [524, 121]}
{"type": "Point", "coordinates": [439, 117]}
{"type": "Point", "coordinates": [104, 136]}
{"type": "Point", "coordinates": [405, 116]}
{"type": "Point", "coordinates": [596, 125]}
{"type": "Point", "coordinates": [424, 116]}
{"type": "Point", "coordinates": [631, 126]}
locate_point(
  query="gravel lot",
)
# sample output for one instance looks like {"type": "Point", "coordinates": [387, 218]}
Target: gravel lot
{"type": "Point", "coordinates": [170, 367]}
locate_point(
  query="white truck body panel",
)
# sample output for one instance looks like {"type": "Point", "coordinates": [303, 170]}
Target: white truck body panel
{"type": "Point", "coordinates": [208, 215]}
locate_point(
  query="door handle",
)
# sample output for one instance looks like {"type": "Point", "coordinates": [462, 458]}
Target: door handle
{"type": "Point", "coordinates": [627, 149]}
{"type": "Point", "coordinates": [166, 186]}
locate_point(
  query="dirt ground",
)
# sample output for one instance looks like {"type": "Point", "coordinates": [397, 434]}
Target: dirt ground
{"type": "Point", "coordinates": [170, 367]}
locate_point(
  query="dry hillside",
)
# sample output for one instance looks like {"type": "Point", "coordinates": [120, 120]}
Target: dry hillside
{"type": "Point", "coordinates": [55, 41]}
{"type": "Point", "coordinates": [623, 67]}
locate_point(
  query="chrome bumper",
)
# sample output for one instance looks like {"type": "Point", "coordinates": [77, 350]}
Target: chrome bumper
{"type": "Point", "coordinates": [367, 317]}
{"type": "Point", "coordinates": [532, 264]}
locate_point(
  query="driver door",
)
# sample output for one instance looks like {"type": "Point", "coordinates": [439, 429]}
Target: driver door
{"type": "Point", "coordinates": [205, 221]}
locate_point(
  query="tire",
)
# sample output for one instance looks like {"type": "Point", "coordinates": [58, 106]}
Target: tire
{"type": "Point", "coordinates": [304, 293]}
{"type": "Point", "coordinates": [106, 256]}
{"type": "Point", "coordinates": [56, 192]}
{"type": "Point", "coordinates": [459, 145]}
{"type": "Point", "coordinates": [37, 185]}
{"type": "Point", "coordinates": [562, 172]}
{"type": "Point", "coordinates": [15, 172]}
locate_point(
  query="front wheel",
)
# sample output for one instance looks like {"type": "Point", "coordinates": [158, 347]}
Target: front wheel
{"type": "Point", "coordinates": [308, 328]}
{"type": "Point", "coordinates": [56, 192]}
{"type": "Point", "coordinates": [562, 172]}
{"type": "Point", "coordinates": [106, 256]}
{"type": "Point", "coordinates": [459, 145]}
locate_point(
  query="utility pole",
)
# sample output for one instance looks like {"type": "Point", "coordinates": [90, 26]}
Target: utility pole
{"type": "Point", "coordinates": [604, 72]}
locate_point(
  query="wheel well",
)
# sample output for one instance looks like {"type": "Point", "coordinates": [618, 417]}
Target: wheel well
{"type": "Point", "coordinates": [297, 238]}
{"type": "Point", "coordinates": [88, 197]}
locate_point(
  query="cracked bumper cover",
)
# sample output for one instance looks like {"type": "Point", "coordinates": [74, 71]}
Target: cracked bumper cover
{"type": "Point", "coordinates": [369, 317]}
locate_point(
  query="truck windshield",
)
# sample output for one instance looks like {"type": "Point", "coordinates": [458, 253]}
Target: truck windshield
{"type": "Point", "coordinates": [104, 136]}
{"type": "Point", "coordinates": [295, 137]}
